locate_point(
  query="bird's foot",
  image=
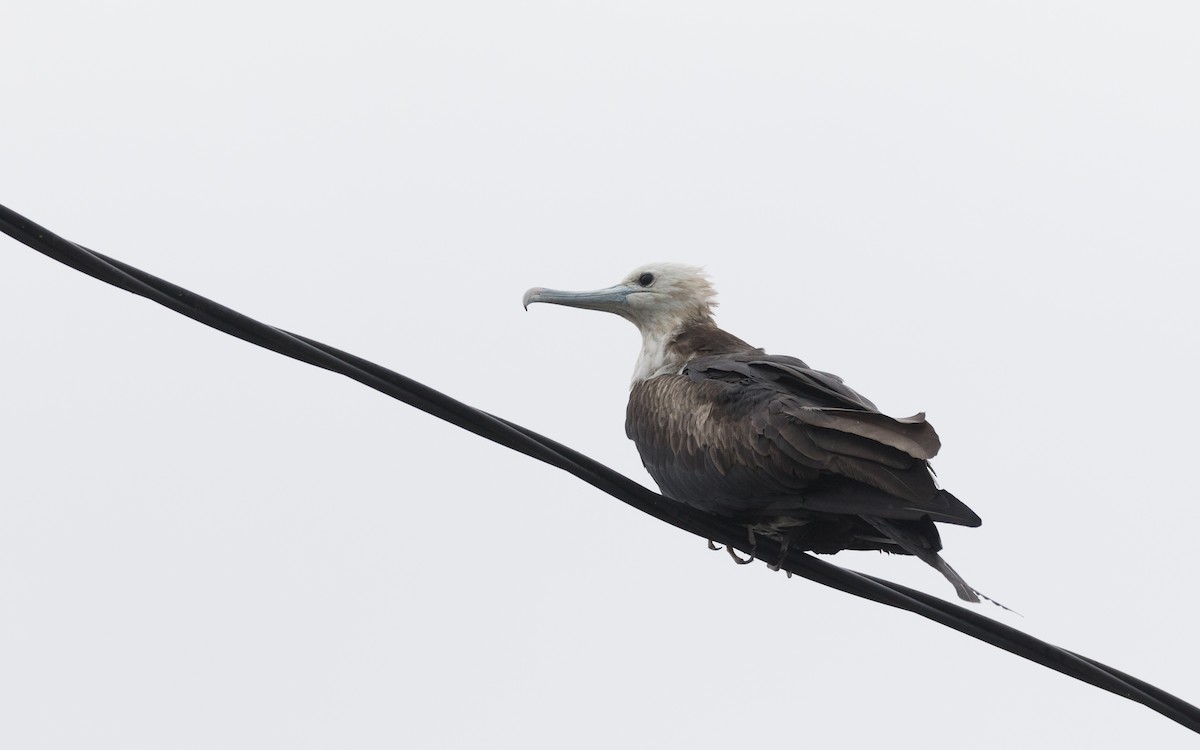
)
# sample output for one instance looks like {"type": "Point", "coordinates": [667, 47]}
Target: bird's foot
{"type": "Point", "coordinates": [733, 553]}
{"type": "Point", "coordinates": [753, 548]}
{"type": "Point", "coordinates": [784, 541]}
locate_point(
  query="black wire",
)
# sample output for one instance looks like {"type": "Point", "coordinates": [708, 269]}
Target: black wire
{"type": "Point", "coordinates": [544, 449]}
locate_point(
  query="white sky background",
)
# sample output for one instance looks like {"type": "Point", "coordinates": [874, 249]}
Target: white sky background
{"type": "Point", "coordinates": [984, 211]}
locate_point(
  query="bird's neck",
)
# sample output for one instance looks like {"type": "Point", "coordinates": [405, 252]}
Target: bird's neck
{"type": "Point", "coordinates": [667, 348]}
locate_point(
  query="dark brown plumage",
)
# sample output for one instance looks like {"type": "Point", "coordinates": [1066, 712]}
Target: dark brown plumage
{"type": "Point", "coordinates": [791, 451]}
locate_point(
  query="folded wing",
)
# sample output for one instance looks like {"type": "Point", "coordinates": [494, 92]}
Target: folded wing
{"type": "Point", "coordinates": [753, 433]}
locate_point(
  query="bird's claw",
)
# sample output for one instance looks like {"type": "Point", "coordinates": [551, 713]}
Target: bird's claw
{"type": "Point", "coordinates": [733, 553]}
{"type": "Point", "coordinates": [783, 551]}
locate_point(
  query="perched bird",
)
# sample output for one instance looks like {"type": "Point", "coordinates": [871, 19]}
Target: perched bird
{"type": "Point", "coordinates": [790, 451]}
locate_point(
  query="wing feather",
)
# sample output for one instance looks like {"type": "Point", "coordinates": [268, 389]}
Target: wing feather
{"type": "Point", "coordinates": [743, 433]}
{"type": "Point", "coordinates": [913, 435]}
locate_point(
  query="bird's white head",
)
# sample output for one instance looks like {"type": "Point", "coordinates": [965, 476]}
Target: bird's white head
{"type": "Point", "coordinates": [661, 299]}
{"type": "Point", "coordinates": [656, 297]}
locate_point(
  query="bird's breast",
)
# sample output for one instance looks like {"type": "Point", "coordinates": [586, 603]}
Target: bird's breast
{"type": "Point", "coordinates": [701, 449]}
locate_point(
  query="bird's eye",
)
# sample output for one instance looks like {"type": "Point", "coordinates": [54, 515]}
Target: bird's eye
{"type": "Point", "coordinates": [646, 279]}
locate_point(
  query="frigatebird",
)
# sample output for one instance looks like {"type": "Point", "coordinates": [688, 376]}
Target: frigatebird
{"type": "Point", "coordinates": [792, 452]}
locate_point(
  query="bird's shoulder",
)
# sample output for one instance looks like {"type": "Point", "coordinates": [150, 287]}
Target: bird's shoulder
{"type": "Point", "coordinates": [782, 373]}
{"type": "Point", "coordinates": [736, 387]}
{"type": "Point", "coordinates": [779, 399]}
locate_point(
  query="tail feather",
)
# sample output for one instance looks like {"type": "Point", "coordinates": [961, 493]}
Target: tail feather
{"type": "Point", "coordinates": [919, 548]}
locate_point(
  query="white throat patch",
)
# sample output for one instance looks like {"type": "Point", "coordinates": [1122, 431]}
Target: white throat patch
{"type": "Point", "coordinates": [655, 359]}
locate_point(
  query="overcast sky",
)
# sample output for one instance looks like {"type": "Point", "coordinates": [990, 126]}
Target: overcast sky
{"type": "Point", "coordinates": [984, 211]}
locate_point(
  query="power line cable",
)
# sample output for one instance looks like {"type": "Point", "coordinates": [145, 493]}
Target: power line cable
{"type": "Point", "coordinates": [518, 438]}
